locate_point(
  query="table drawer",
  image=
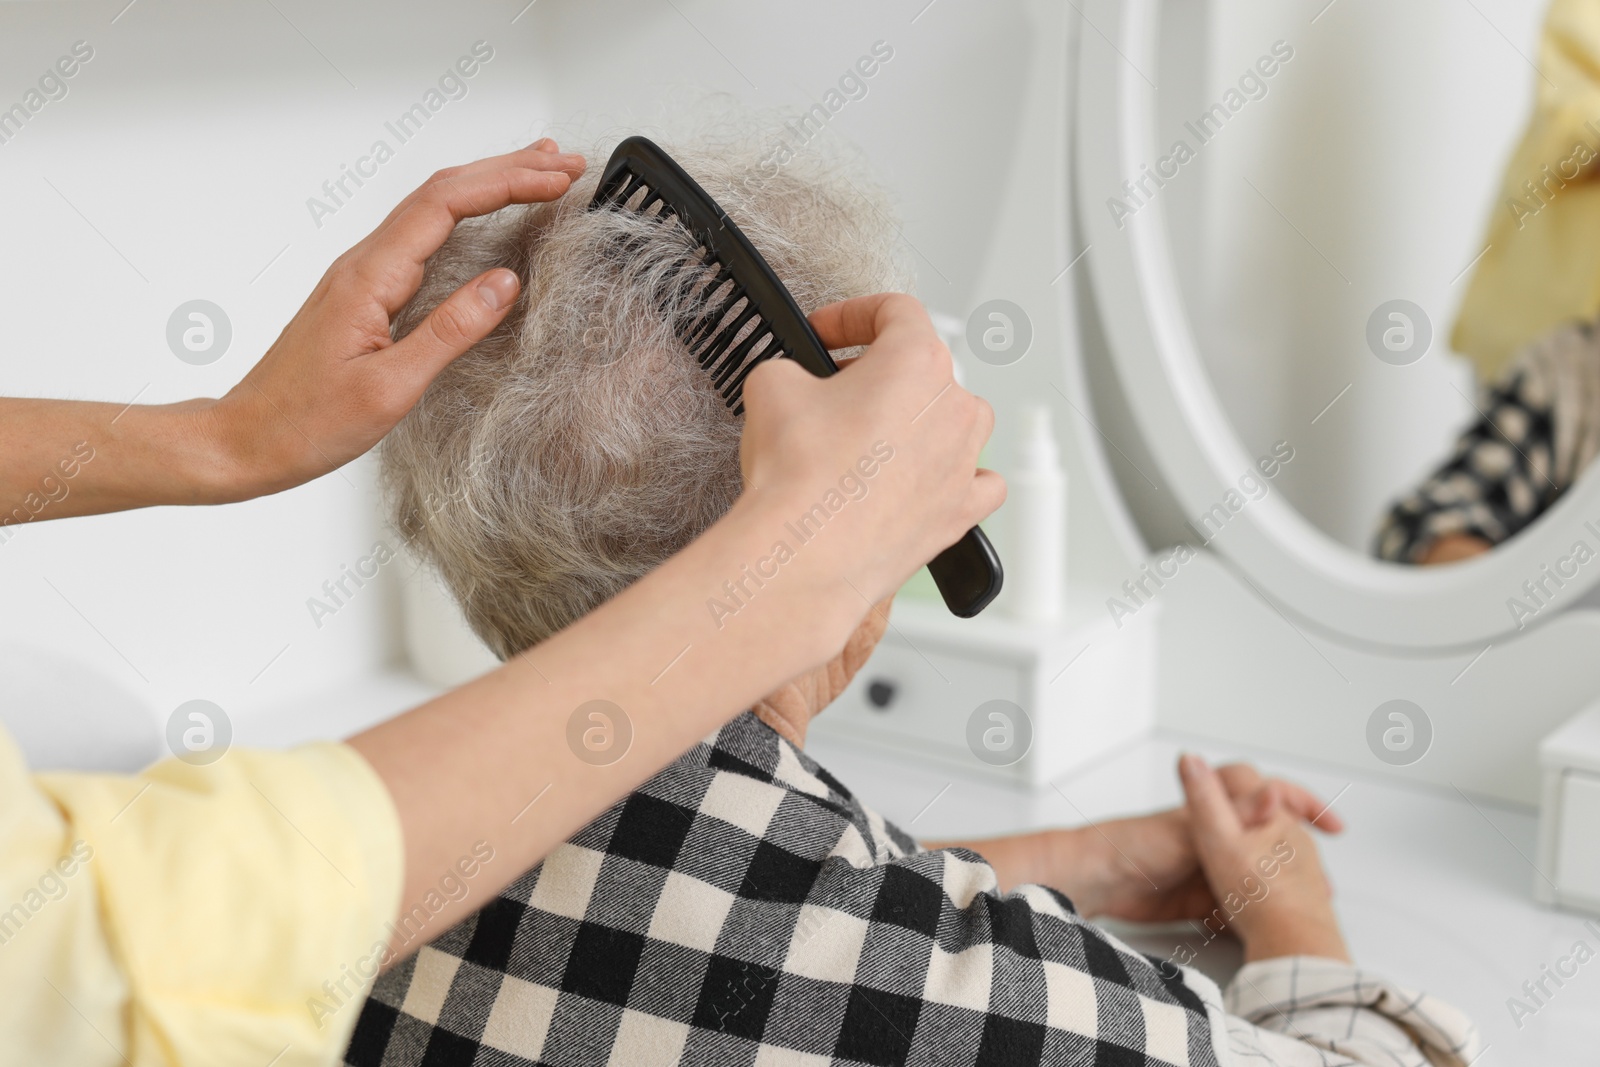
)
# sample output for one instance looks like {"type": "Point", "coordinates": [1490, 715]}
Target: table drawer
{"type": "Point", "coordinates": [922, 698]}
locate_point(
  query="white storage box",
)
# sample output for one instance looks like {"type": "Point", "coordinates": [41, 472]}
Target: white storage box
{"type": "Point", "coordinates": [934, 686]}
{"type": "Point", "coordinates": [1569, 815]}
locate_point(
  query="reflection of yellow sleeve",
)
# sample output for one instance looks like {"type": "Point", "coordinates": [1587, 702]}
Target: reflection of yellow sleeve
{"type": "Point", "coordinates": [191, 915]}
{"type": "Point", "coordinates": [1543, 263]}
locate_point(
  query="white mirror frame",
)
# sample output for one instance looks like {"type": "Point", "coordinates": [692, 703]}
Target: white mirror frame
{"type": "Point", "coordinates": [1303, 571]}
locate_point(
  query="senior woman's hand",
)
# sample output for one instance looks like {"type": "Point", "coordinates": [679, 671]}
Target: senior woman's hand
{"type": "Point", "coordinates": [1452, 548]}
{"type": "Point", "coordinates": [1266, 870]}
{"type": "Point", "coordinates": [1147, 868]}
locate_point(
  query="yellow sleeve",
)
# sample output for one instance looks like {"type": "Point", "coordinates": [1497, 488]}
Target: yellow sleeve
{"type": "Point", "coordinates": [1542, 267]}
{"type": "Point", "coordinates": [231, 913]}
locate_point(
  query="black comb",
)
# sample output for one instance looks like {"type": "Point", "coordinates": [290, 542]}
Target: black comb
{"type": "Point", "coordinates": [751, 317]}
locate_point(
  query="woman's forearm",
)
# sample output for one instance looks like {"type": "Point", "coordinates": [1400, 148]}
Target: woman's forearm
{"type": "Point", "coordinates": [326, 390]}
{"type": "Point", "coordinates": [72, 457]}
{"type": "Point", "coordinates": [496, 761]}
{"type": "Point", "coordinates": [464, 768]}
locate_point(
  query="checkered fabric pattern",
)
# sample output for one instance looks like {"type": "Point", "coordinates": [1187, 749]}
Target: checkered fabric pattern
{"type": "Point", "coordinates": [1499, 479]}
{"type": "Point", "coordinates": [744, 908]}
{"type": "Point", "coordinates": [1301, 1011]}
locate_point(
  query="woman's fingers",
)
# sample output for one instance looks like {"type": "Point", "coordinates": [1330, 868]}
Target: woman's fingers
{"type": "Point", "coordinates": [461, 321]}
{"type": "Point", "coordinates": [988, 493]}
{"type": "Point", "coordinates": [1214, 816]}
{"type": "Point", "coordinates": [866, 319]}
{"type": "Point", "coordinates": [1269, 801]}
{"type": "Point", "coordinates": [1240, 779]}
{"type": "Point", "coordinates": [339, 382]}
{"type": "Point", "coordinates": [1302, 804]}
{"type": "Point", "coordinates": [391, 259]}
{"type": "Point", "coordinates": [778, 386]}
{"type": "Point", "coordinates": [1243, 782]}
{"type": "Point", "coordinates": [899, 324]}
{"type": "Point", "coordinates": [850, 322]}
{"type": "Point", "coordinates": [541, 155]}
{"type": "Point", "coordinates": [1310, 807]}
{"type": "Point", "coordinates": [898, 408]}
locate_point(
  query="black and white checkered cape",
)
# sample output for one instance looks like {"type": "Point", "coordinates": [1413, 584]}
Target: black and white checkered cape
{"type": "Point", "coordinates": [744, 908]}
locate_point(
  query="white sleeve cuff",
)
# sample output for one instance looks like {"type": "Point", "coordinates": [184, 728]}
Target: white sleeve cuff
{"type": "Point", "coordinates": [1336, 1006]}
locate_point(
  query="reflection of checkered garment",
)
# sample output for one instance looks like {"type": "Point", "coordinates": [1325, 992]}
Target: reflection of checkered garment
{"type": "Point", "coordinates": [1492, 486]}
{"type": "Point", "coordinates": [743, 907]}
{"type": "Point", "coordinates": [1538, 429]}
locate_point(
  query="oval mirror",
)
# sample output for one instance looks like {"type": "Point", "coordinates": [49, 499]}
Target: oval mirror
{"type": "Point", "coordinates": [1283, 210]}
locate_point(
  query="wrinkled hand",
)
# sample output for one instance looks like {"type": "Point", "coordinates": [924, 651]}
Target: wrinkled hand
{"type": "Point", "coordinates": [334, 382]}
{"type": "Point", "coordinates": [1149, 868]}
{"type": "Point", "coordinates": [1266, 872]}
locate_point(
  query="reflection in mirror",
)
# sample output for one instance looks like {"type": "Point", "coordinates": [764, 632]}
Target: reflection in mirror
{"type": "Point", "coordinates": [1367, 217]}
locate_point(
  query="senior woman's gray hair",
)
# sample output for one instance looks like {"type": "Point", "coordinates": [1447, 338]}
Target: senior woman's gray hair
{"type": "Point", "coordinates": [579, 445]}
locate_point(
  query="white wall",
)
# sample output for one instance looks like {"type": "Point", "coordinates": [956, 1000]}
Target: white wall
{"type": "Point", "coordinates": [1375, 156]}
{"type": "Point", "coordinates": [935, 124]}
{"type": "Point", "coordinates": [184, 154]}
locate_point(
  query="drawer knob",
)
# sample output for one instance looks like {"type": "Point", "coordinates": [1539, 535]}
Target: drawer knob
{"type": "Point", "coordinates": [880, 693]}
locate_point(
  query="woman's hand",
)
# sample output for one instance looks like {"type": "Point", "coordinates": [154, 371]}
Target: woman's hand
{"type": "Point", "coordinates": [1452, 548]}
{"type": "Point", "coordinates": [891, 434]}
{"type": "Point", "coordinates": [326, 391]}
{"type": "Point", "coordinates": [1146, 868]}
{"type": "Point", "coordinates": [334, 383]}
{"type": "Point", "coordinates": [1266, 875]}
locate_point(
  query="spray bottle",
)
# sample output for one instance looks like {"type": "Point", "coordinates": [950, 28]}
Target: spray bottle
{"type": "Point", "coordinates": [1038, 505]}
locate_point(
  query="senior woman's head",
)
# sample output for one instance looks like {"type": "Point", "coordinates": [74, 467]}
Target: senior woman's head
{"type": "Point", "coordinates": [579, 445]}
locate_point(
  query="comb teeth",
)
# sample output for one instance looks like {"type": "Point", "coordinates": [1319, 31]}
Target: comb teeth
{"type": "Point", "coordinates": [746, 316]}
{"type": "Point", "coordinates": [699, 331]}
{"type": "Point", "coordinates": [713, 337]}
{"type": "Point", "coordinates": [742, 313]}
{"type": "Point", "coordinates": [635, 183]}
{"type": "Point", "coordinates": [729, 343]}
